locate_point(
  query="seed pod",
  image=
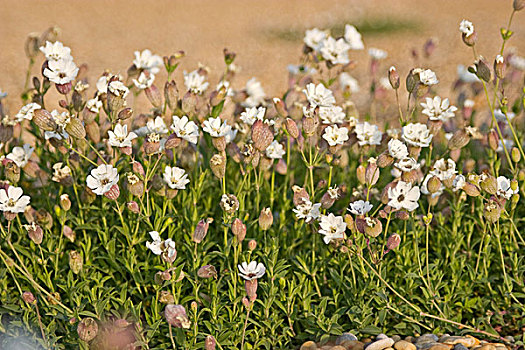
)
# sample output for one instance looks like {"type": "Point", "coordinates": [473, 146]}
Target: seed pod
{"type": "Point", "coordinates": [36, 234]}
{"type": "Point", "coordinates": [154, 96]}
{"type": "Point", "coordinates": [176, 316]}
{"type": "Point", "coordinates": [262, 136]}
{"type": "Point", "coordinates": [201, 230]}
{"type": "Point", "coordinates": [482, 70]}
{"type": "Point", "coordinates": [393, 77]}
{"type": "Point", "coordinates": [87, 329]}
{"type": "Point", "coordinates": [499, 67]}
{"type": "Point", "coordinates": [471, 189]}
{"type": "Point", "coordinates": [393, 241]}
{"type": "Point", "coordinates": [75, 262]}
{"type": "Point", "coordinates": [489, 184]}
{"type": "Point", "coordinates": [291, 127]}
{"type": "Point", "coordinates": [218, 165]}
{"type": "Point", "coordinates": [459, 140]}
{"type": "Point", "coordinates": [75, 128]}
{"type": "Point", "coordinates": [29, 298]}
{"type": "Point", "coordinates": [207, 271]}
{"type": "Point", "coordinates": [210, 343]}
{"type": "Point", "coordinates": [239, 230]}
{"type": "Point", "coordinates": [433, 184]}
{"type": "Point", "coordinates": [124, 114]}
{"type": "Point", "coordinates": [493, 140]}
{"type": "Point", "coordinates": [265, 219]}
{"type": "Point", "coordinates": [44, 120]}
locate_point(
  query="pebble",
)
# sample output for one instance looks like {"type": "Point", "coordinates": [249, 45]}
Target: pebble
{"type": "Point", "coordinates": [425, 345]}
{"type": "Point", "coordinates": [466, 341]}
{"type": "Point", "coordinates": [427, 338]}
{"type": "Point", "coordinates": [381, 336]}
{"type": "Point", "coordinates": [460, 347]}
{"type": "Point", "coordinates": [309, 345]}
{"type": "Point", "coordinates": [487, 347]}
{"type": "Point", "coordinates": [410, 339]}
{"type": "Point", "coordinates": [439, 346]}
{"type": "Point", "coordinates": [338, 347]}
{"type": "Point", "coordinates": [396, 338]}
{"type": "Point", "coordinates": [353, 345]}
{"type": "Point", "coordinates": [380, 344]}
{"type": "Point", "coordinates": [404, 345]}
{"type": "Point", "coordinates": [344, 337]}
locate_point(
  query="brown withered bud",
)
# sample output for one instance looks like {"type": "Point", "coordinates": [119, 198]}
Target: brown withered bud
{"type": "Point", "coordinates": [6, 131]}
{"type": "Point", "coordinates": [412, 81]}
{"type": "Point", "coordinates": [433, 184]}
{"type": "Point", "coordinates": [310, 126]}
{"type": "Point", "coordinates": [176, 316]}
{"type": "Point", "coordinates": [124, 114]}
{"type": "Point", "coordinates": [471, 189]}
{"type": "Point", "coordinates": [189, 103]}
{"type": "Point", "coordinates": [393, 77]}
{"type": "Point", "coordinates": [250, 286]}
{"type": "Point", "coordinates": [76, 98]}
{"type": "Point", "coordinates": [210, 343]}
{"type": "Point", "coordinates": [75, 262]}
{"type": "Point", "coordinates": [29, 298]}
{"type": "Point", "coordinates": [12, 172]}
{"type": "Point", "coordinates": [384, 160]}
{"type": "Point", "coordinates": [44, 120]}
{"type": "Point", "coordinates": [493, 139]}
{"type": "Point", "coordinates": [218, 165]}
{"type": "Point", "coordinates": [239, 230]}
{"type": "Point", "coordinates": [171, 94]}
{"type": "Point", "coordinates": [201, 230]}
{"type": "Point", "coordinates": [459, 140]}
{"type": "Point", "coordinates": [393, 241]}
{"type": "Point", "coordinates": [64, 89]}
{"type": "Point", "coordinates": [499, 67]}
{"type": "Point", "coordinates": [492, 210]}
{"type": "Point", "coordinates": [87, 196]}
{"type": "Point", "coordinates": [154, 96]}
{"type": "Point", "coordinates": [68, 233]}
{"type": "Point", "coordinates": [166, 297]}
{"type": "Point", "coordinates": [469, 40]}
{"type": "Point", "coordinates": [35, 233]}
{"type": "Point", "coordinates": [482, 70]}
{"type": "Point", "coordinates": [219, 143]}
{"type": "Point", "coordinates": [234, 152]}
{"type": "Point", "coordinates": [207, 271]}
{"type": "Point", "coordinates": [402, 215]}
{"type": "Point", "coordinates": [265, 219]}
{"type": "Point", "coordinates": [262, 135]}
{"type": "Point", "coordinates": [87, 329]}
{"type": "Point", "coordinates": [299, 195]}
{"type": "Point", "coordinates": [291, 128]}
{"type": "Point", "coordinates": [44, 219]}
{"type": "Point", "coordinates": [75, 128]}
{"type": "Point", "coordinates": [518, 5]}
{"type": "Point", "coordinates": [372, 227]}
{"type": "Point", "coordinates": [327, 201]}
{"type": "Point", "coordinates": [173, 141]}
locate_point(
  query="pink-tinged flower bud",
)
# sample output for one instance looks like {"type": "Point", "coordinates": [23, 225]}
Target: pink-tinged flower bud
{"type": "Point", "coordinates": [471, 189]}
{"type": "Point", "coordinates": [402, 215]}
{"type": "Point", "coordinates": [246, 303]}
{"type": "Point", "coordinates": [499, 67]}
{"type": "Point", "coordinates": [459, 140]}
{"type": "Point", "coordinates": [64, 89]}
{"type": "Point", "coordinates": [470, 40]}
{"type": "Point", "coordinates": [201, 230]}
{"type": "Point", "coordinates": [393, 241]}
{"type": "Point", "coordinates": [65, 202]}
{"type": "Point", "coordinates": [252, 244]}
{"type": "Point", "coordinates": [371, 173]}
{"type": "Point", "coordinates": [361, 170]}
{"type": "Point", "coordinates": [493, 139]}
{"type": "Point", "coordinates": [262, 135]}
{"type": "Point", "coordinates": [207, 271]}
{"type": "Point", "coordinates": [75, 262]}
{"type": "Point", "coordinates": [133, 207]}
{"type": "Point", "coordinates": [393, 77]}
{"type": "Point", "coordinates": [68, 233]}
{"type": "Point", "coordinates": [327, 201]}
{"type": "Point", "coordinates": [35, 233]}
{"type": "Point", "coordinates": [291, 128]}
{"type": "Point", "coordinates": [433, 184]}
{"type": "Point", "coordinates": [113, 192]}
{"type": "Point", "coordinates": [44, 120]}
{"type": "Point", "coordinates": [218, 165]}
{"type": "Point", "coordinates": [176, 316]}
{"type": "Point", "coordinates": [280, 167]}
{"type": "Point", "coordinates": [251, 289]}
{"type": "Point", "coordinates": [87, 329]}
{"type": "Point", "coordinates": [210, 343]}
{"type": "Point", "coordinates": [154, 96]}
{"type": "Point", "coordinates": [137, 167]}
{"type": "Point", "coordinates": [265, 219]}
{"type": "Point", "coordinates": [29, 298]}
{"type": "Point", "coordinates": [239, 230]}
{"type": "Point", "coordinates": [171, 94]}
{"type": "Point", "coordinates": [518, 5]}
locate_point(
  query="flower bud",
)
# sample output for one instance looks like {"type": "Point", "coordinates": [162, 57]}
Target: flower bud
{"type": "Point", "coordinates": [393, 77]}
{"type": "Point", "coordinates": [65, 202]}
{"type": "Point", "coordinates": [251, 289]}
{"type": "Point", "coordinates": [265, 219]}
{"type": "Point", "coordinates": [402, 215]}
{"type": "Point", "coordinates": [349, 221]}
{"type": "Point", "coordinates": [459, 140]}
{"type": "Point", "coordinates": [75, 261]}
{"type": "Point", "coordinates": [393, 241]}
{"type": "Point", "coordinates": [35, 233]}
{"type": "Point", "coordinates": [44, 120]}
{"type": "Point", "coordinates": [471, 189]}
{"type": "Point", "coordinates": [299, 195]}
{"type": "Point", "coordinates": [516, 155]}
{"type": "Point", "coordinates": [68, 233]}
{"type": "Point", "coordinates": [171, 94]}
{"type": "Point", "coordinates": [219, 143]}
{"type": "Point", "coordinates": [201, 230]}
{"type": "Point", "coordinates": [93, 132]}
{"type": "Point", "coordinates": [309, 126]}
{"type": "Point", "coordinates": [280, 107]}
{"type": "Point", "coordinates": [166, 297]}
{"type": "Point", "coordinates": [207, 271]}
{"type": "Point", "coordinates": [514, 185]}
{"type": "Point", "coordinates": [252, 244]}
{"type": "Point", "coordinates": [371, 174]}
{"type": "Point", "coordinates": [372, 227]}
{"type": "Point", "coordinates": [246, 303]}
{"type": "Point", "coordinates": [482, 70]}
{"type": "Point", "coordinates": [493, 140]}
{"type": "Point", "coordinates": [518, 5]}
{"type": "Point", "coordinates": [189, 103]}
{"type": "Point", "coordinates": [239, 230]}
{"type": "Point", "coordinates": [75, 128]}
{"type": "Point", "coordinates": [499, 67]}
{"type": "Point", "coordinates": [124, 114]}
{"type": "Point", "coordinates": [361, 170]}
{"type": "Point", "coordinates": [280, 167]}
{"type": "Point", "coordinates": [137, 167]}
{"type": "Point", "coordinates": [29, 298]}
{"type": "Point", "coordinates": [133, 207]}
{"type": "Point", "coordinates": [218, 165]}
{"type": "Point", "coordinates": [433, 184]}
{"type": "Point", "coordinates": [113, 192]}
{"type": "Point", "coordinates": [154, 96]}
{"type": "Point", "coordinates": [64, 89]}
{"type": "Point", "coordinates": [291, 128]}
{"type": "Point", "coordinates": [469, 40]}
{"type": "Point", "coordinates": [262, 135]}
{"type": "Point", "coordinates": [44, 219]}
{"type": "Point", "coordinates": [412, 81]}
{"type": "Point", "coordinates": [384, 160]}
{"type": "Point", "coordinates": [87, 329]}
{"type": "Point", "coordinates": [489, 184]}
{"type": "Point", "coordinates": [12, 172]}
{"type": "Point", "coordinates": [210, 343]}
{"type": "Point", "coordinates": [176, 316]}
{"type": "Point", "coordinates": [492, 211]}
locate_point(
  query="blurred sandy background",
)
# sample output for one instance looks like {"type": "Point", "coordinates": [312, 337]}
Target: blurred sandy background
{"type": "Point", "coordinates": [265, 34]}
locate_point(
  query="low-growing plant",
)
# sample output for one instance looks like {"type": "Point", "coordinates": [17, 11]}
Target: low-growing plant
{"type": "Point", "coordinates": [218, 217]}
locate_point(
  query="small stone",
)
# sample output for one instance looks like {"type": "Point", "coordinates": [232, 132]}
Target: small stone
{"type": "Point", "coordinates": [427, 337]}
{"type": "Point", "coordinates": [353, 345]}
{"type": "Point", "coordinates": [439, 346]}
{"type": "Point", "coordinates": [443, 338]}
{"type": "Point", "coordinates": [338, 347]}
{"type": "Point", "coordinates": [309, 345]}
{"type": "Point", "coordinates": [343, 337]}
{"type": "Point", "coordinates": [410, 339]}
{"type": "Point", "coordinates": [404, 345]}
{"type": "Point", "coordinates": [466, 341]}
{"type": "Point", "coordinates": [487, 347]}
{"type": "Point", "coordinates": [396, 338]}
{"type": "Point", "coordinates": [326, 347]}
{"type": "Point", "coordinates": [425, 345]}
{"type": "Point", "coordinates": [380, 344]}
{"type": "Point", "coordinates": [381, 336]}
{"type": "Point", "coordinates": [460, 347]}
{"type": "Point", "coordinates": [366, 340]}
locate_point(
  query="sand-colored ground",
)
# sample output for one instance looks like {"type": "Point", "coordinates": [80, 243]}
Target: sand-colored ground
{"type": "Point", "coordinates": [105, 34]}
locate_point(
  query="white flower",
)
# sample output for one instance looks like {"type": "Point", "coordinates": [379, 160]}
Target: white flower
{"type": "Point", "coordinates": [466, 27]}
{"type": "Point", "coordinates": [465, 76]}
{"type": "Point", "coordinates": [428, 77]}
{"type": "Point", "coordinates": [21, 155]}
{"type": "Point", "coordinates": [251, 271]}
{"type": "Point", "coordinates": [147, 61]}
{"type": "Point", "coordinates": [81, 86]}
{"type": "Point", "coordinates": [360, 207]}
{"type": "Point", "coordinates": [119, 137]}
{"type": "Point", "coordinates": [403, 196]}
{"type": "Point", "coordinates": [332, 115]}
{"type": "Point", "coordinates": [458, 183]}
{"type": "Point", "coordinates": [407, 164]}
{"type": "Point", "coordinates": [348, 82]}
{"type": "Point", "coordinates": [437, 109]}
{"type": "Point", "coordinates": [27, 112]}
{"type": "Point", "coordinates": [300, 69]}
{"type": "Point", "coordinates": [444, 169]}
{"type": "Point", "coordinates": [153, 126]}
{"type": "Point", "coordinates": [319, 95]}
{"type": "Point", "coordinates": [144, 81]}
{"type": "Point", "coordinates": [255, 93]}
{"type": "Point", "coordinates": [60, 171]}
{"type": "Point", "coordinates": [332, 227]}
{"type": "Point", "coordinates": [55, 51]}
{"type": "Point", "coordinates": [117, 88]}
{"type": "Point", "coordinates": [215, 127]}
{"type": "Point", "coordinates": [156, 245]}
{"type": "Point", "coordinates": [314, 37]}
{"type": "Point", "coordinates": [275, 150]}
{"type": "Point", "coordinates": [517, 62]}
{"type": "Point", "coordinates": [62, 119]}
{"type": "Point", "coordinates": [335, 51]}
{"type": "Point", "coordinates": [102, 84]}
{"type": "Point", "coordinates": [195, 82]}
{"type": "Point", "coordinates": [185, 129]}
{"type": "Point", "coordinates": [251, 115]}
{"type": "Point", "coordinates": [353, 38]}
{"type": "Point", "coordinates": [102, 178]}
{"type": "Point", "coordinates": [94, 105]}
{"type": "Point", "coordinates": [62, 71]}
{"type": "Point", "coordinates": [13, 201]}
{"type": "Point", "coordinates": [230, 135]}
{"type": "Point", "coordinates": [504, 188]}
{"type": "Point", "coordinates": [377, 54]}
{"type": "Point", "coordinates": [335, 135]}
{"type": "Point", "coordinates": [307, 210]}
{"type": "Point", "coordinates": [368, 134]}
{"type": "Point", "coordinates": [397, 149]}
{"type": "Point", "coordinates": [227, 86]}
{"type": "Point", "coordinates": [416, 134]}
{"type": "Point", "coordinates": [175, 178]}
